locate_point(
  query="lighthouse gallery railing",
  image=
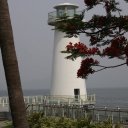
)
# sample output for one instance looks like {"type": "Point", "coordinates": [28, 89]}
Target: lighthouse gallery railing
{"type": "Point", "coordinates": [52, 16]}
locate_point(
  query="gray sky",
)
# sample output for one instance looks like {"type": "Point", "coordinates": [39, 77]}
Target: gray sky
{"type": "Point", "coordinates": [34, 46]}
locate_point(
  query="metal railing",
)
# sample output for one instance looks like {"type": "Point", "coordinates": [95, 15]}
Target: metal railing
{"type": "Point", "coordinates": [80, 100]}
{"type": "Point", "coordinates": [53, 17]}
{"type": "Point", "coordinates": [97, 114]}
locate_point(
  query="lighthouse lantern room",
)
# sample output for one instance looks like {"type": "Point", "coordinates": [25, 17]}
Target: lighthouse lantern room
{"type": "Point", "coordinates": [64, 9]}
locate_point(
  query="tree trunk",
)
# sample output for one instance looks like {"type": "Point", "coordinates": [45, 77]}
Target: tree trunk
{"type": "Point", "coordinates": [10, 63]}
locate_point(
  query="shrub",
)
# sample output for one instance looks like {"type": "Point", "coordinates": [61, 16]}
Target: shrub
{"type": "Point", "coordinates": [38, 120]}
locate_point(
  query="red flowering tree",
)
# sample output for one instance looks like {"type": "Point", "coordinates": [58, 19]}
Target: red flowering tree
{"type": "Point", "coordinates": [107, 36]}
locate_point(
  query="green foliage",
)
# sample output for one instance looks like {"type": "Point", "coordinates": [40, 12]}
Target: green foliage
{"type": "Point", "coordinates": [118, 125]}
{"type": "Point", "coordinates": [85, 122]}
{"type": "Point", "coordinates": [37, 120]}
{"type": "Point", "coordinates": [8, 124]}
{"type": "Point", "coordinates": [107, 34]}
{"type": "Point", "coordinates": [104, 124]}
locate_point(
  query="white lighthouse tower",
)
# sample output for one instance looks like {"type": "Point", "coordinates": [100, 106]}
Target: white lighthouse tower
{"type": "Point", "coordinates": [64, 76]}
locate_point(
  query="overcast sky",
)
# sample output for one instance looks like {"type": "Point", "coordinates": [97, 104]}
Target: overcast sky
{"type": "Point", "coordinates": [34, 46]}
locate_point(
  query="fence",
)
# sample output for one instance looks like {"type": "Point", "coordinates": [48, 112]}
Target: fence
{"type": "Point", "coordinates": [79, 111]}
{"type": "Point", "coordinates": [80, 100]}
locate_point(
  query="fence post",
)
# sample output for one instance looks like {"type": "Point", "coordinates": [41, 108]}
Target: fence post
{"type": "Point", "coordinates": [32, 108]}
{"type": "Point", "coordinates": [62, 111]}
{"type": "Point", "coordinates": [69, 101]}
{"type": "Point", "coordinates": [118, 112]}
{"type": "Point", "coordinates": [112, 118]}
{"type": "Point", "coordinates": [38, 107]}
{"type": "Point", "coordinates": [105, 112]}
{"type": "Point", "coordinates": [2, 102]}
{"type": "Point", "coordinates": [58, 102]}
{"type": "Point", "coordinates": [73, 112]}
{"type": "Point", "coordinates": [45, 113]}
{"type": "Point", "coordinates": [93, 115]}
{"type": "Point", "coordinates": [98, 117]}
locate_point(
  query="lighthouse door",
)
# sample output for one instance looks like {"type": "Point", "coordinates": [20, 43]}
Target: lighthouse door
{"type": "Point", "coordinates": [77, 94]}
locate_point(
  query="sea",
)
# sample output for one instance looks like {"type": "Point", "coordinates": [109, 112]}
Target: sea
{"type": "Point", "coordinates": [105, 97]}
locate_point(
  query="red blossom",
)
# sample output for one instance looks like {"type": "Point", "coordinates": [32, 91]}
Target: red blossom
{"type": "Point", "coordinates": [105, 31]}
{"type": "Point", "coordinates": [69, 46]}
{"type": "Point", "coordinates": [101, 21]}
{"type": "Point", "coordinates": [86, 67]}
{"type": "Point", "coordinates": [81, 49]}
{"type": "Point", "coordinates": [118, 42]}
{"type": "Point", "coordinates": [117, 47]}
{"type": "Point", "coordinates": [93, 40]}
{"type": "Point", "coordinates": [112, 51]}
{"type": "Point", "coordinates": [80, 46]}
{"type": "Point", "coordinates": [93, 51]}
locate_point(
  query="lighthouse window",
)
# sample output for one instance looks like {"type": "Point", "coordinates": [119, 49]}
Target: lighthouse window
{"type": "Point", "coordinates": [60, 12]}
{"type": "Point", "coordinates": [70, 11]}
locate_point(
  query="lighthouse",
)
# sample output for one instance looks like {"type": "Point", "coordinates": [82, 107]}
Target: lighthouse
{"type": "Point", "coordinates": [64, 74]}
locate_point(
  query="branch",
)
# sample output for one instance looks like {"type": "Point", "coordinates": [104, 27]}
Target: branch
{"type": "Point", "coordinates": [97, 32]}
{"type": "Point", "coordinates": [106, 67]}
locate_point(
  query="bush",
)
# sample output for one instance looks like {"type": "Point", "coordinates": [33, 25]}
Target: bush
{"type": "Point", "coordinates": [38, 120]}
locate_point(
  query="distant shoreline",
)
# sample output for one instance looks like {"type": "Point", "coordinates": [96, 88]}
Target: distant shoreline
{"type": "Point", "coordinates": [86, 87]}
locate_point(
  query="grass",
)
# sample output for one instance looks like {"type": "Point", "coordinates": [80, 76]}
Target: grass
{"type": "Point", "coordinates": [6, 124]}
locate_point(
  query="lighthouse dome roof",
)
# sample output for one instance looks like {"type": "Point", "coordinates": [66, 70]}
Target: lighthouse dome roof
{"type": "Point", "coordinates": [66, 4]}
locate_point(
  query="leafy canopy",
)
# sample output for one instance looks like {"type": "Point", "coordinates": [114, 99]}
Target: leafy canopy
{"type": "Point", "coordinates": [107, 36]}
